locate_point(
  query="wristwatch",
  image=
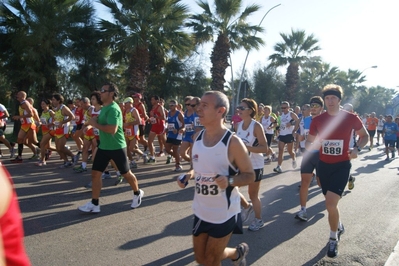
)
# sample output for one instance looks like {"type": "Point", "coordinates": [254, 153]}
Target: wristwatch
{"type": "Point", "coordinates": [231, 181]}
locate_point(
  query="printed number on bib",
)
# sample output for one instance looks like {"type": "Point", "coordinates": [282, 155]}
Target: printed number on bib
{"type": "Point", "coordinates": [189, 127]}
{"type": "Point", "coordinates": [96, 131]}
{"type": "Point", "coordinates": [197, 122]}
{"type": "Point", "coordinates": [128, 132]}
{"type": "Point", "coordinates": [171, 127]}
{"type": "Point", "coordinates": [205, 185]}
{"type": "Point", "coordinates": [332, 147]}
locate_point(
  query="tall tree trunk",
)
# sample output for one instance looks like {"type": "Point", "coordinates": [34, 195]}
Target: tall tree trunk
{"type": "Point", "coordinates": [139, 70]}
{"type": "Point", "coordinates": [219, 59]}
{"type": "Point", "coordinates": [291, 83]}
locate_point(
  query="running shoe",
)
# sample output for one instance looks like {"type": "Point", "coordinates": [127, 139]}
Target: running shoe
{"type": "Point", "coordinates": [151, 160]}
{"type": "Point", "coordinates": [341, 231]}
{"type": "Point", "coordinates": [178, 168]}
{"type": "Point", "coordinates": [393, 155]}
{"type": "Point", "coordinates": [133, 164]}
{"type": "Point", "coordinates": [65, 165]}
{"type": "Point", "coordinates": [301, 215]}
{"type": "Point", "coordinates": [294, 165]}
{"type": "Point", "coordinates": [256, 225]}
{"type": "Point", "coordinates": [277, 169]}
{"type": "Point", "coordinates": [41, 163]}
{"type": "Point", "coordinates": [17, 160]}
{"type": "Point", "coordinates": [1, 155]}
{"type": "Point", "coordinates": [12, 152]}
{"type": "Point", "coordinates": [246, 213]}
{"type": "Point", "coordinates": [75, 158]}
{"type": "Point", "coordinates": [80, 169]}
{"type": "Point", "coordinates": [267, 160]}
{"type": "Point", "coordinates": [119, 180]}
{"type": "Point", "coordinates": [351, 183]}
{"type": "Point", "coordinates": [145, 159]}
{"type": "Point", "coordinates": [273, 157]}
{"type": "Point", "coordinates": [168, 159]}
{"type": "Point", "coordinates": [106, 175]}
{"type": "Point", "coordinates": [242, 250]}
{"type": "Point", "coordinates": [332, 248]}
{"type": "Point", "coordinates": [160, 154]}
{"type": "Point", "coordinates": [89, 207]}
{"type": "Point", "coordinates": [137, 199]}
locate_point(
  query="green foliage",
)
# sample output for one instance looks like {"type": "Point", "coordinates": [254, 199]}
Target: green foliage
{"type": "Point", "coordinates": [268, 86]}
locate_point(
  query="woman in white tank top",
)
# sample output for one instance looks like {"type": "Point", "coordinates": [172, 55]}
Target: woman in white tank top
{"type": "Point", "coordinates": [252, 134]}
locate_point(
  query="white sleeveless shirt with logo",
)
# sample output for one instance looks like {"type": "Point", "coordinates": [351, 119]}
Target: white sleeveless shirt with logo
{"type": "Point", "coordinates": [249, 139]}
{"type": "Point", "coordinates": [285, 127]}
{"type": "Point", "coordinates": [212, 204]}
{"type": "Point", "coordinates": [267, 122]}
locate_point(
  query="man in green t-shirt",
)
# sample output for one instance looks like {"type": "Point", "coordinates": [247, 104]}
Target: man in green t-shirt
{"type": "Point", "coordinates": [112, 146]}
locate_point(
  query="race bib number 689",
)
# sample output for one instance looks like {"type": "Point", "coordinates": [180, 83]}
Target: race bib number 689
{"type": "Point", "coordinates": [332, 147]}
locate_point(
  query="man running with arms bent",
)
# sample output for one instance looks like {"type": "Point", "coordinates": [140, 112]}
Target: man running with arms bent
{"type": "Point", "coordinates": [217, 156]}
{"type": "Point", "coordinates": [331, 131]}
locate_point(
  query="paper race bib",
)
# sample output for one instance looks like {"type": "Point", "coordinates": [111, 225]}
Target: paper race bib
{"type": "Point", "coordinates": [189, 127]}
{"type": "Point", "coordinates": [332, 147]}
{"type": "Point", "coordinates": [128, 132]}
{"type": "Point", "coordinates": [96, 131]}
{"type": "Point", "coordinates": [171, 126]}
{"type": "Point", "coordinates": [206, 186]}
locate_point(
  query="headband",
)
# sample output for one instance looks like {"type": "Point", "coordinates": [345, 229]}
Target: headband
{"type": "Point", "coordinates": [332, 92]}
{"type": "Point", "coordinates": [316, 100]}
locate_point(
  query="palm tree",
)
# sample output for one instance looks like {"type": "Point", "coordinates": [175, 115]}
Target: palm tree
{"type": "Point", "coordinates": [228, 23]}
{"type": "Point", "coordinates": [294, 51]}
{"type": "Point", "coordinates": [314, 77]}
{"type": "Point", "coordinates": [37, 34]}
{"type": "Point", "coordinates": [145, 32]}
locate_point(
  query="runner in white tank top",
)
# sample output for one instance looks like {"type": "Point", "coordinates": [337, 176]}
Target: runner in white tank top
{"type": "Point", "coordinates": [289, 125]}
{"type": "Point", "coordinates": [216, 152]}
{"type": "Point", "coordinates": [252, 134]}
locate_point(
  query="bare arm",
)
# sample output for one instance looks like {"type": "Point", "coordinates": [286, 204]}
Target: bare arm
{"type": "Point", "coordinates": [296, 119]}
{"type": "Point", "coordinates": [67, 112]}
{"type": "Point", "coordinates": [238, 156]}
{"type": "Point", "coordinates": [5, 198]}
{"type": "Point", "coordinates": [260, 135]}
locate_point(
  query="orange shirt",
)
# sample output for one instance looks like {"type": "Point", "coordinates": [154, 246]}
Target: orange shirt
{"type": "Point", "coordinates": [372, 123]}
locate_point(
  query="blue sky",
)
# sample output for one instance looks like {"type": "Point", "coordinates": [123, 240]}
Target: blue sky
{"type": "Point", "coordinates": [353, 34]}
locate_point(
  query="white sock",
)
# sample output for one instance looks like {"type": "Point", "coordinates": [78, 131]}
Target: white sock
{"type": "Point", "coordinates": [333, 234]}
{"type": "Point", "coordinates": [84, 165]}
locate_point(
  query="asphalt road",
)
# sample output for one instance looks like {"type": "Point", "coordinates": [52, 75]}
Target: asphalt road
{"type": "Point", "coordinates": [159, 231]}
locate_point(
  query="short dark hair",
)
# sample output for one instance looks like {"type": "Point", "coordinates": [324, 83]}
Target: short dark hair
{"type": "Point", "coordinates": [58, 97]}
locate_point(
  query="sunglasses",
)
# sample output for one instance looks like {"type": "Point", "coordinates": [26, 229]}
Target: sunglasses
{"type": "Point", "coordinates": [242, 108]}
{"type": "Point", "coordinates": [315, 105]}
{"type": "Point", "coordinates": [102, 91]}
{"type": "Point", "coordinates": [171, 105]}
{"type": "Point", "coordinates": [284, 107]}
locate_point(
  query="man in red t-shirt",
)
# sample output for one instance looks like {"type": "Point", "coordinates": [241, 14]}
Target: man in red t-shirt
{"type": "Point", "coordinates": [331, 132]}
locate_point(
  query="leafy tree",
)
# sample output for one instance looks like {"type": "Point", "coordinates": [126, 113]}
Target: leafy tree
{"type": "Point", "coordinates": [294, 51]}
{"type": "Point", "coordinates": [233, 32]}
{"type": "Point", "coordinates": [36, 34]}
{"type": "Point", "coordinates": [268, 86]}
{"type": "Point", "coordinates": [313, 78]}
{"type": "Point", "coordinates": [142, 31]}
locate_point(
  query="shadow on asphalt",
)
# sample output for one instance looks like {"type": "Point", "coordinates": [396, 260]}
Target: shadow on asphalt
{"type": "Point", "coordinates": [47, 190]}
{"type": "Point", "coordinates": [280, 224]}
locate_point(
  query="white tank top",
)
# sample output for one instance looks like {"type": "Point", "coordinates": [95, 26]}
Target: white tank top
{"type": "Point", "coordinates": [212, 204]}
{"type": "Point", "coordinates": [249, 139]}
{"type": "Point", "coordinates": [285, 127]}
{"type": "Point", "coordinates": [266, 122]}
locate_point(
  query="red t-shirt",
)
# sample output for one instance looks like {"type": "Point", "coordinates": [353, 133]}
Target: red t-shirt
{"type": "Point", "coordinates": [12, 231]}
{"type": "Point", "coordinates": [335, 133]}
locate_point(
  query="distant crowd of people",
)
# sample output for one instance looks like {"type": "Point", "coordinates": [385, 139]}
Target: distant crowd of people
{"type": "Point", "coordinates": [222, 160]}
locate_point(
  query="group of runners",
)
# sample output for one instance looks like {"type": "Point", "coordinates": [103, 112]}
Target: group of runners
{"type": "Point", "coordinates": [220, 161]}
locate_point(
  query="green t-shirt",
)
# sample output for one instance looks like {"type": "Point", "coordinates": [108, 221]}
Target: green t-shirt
{"type": "Point", "coordinates": [111, 115]}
